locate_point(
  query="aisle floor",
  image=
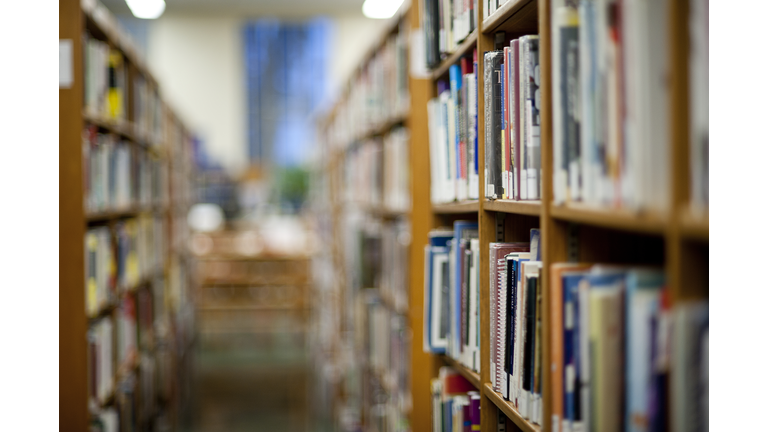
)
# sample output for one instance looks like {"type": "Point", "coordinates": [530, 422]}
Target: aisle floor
{"type": "Point", "coordinates": [240, 391]}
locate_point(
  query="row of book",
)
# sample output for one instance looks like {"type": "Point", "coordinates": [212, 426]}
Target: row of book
{"type": "Point", "coordinates": [512, 120]}
{"type": "Point", "coordinates": [119, 259]}
{"type": "Point", "coordinates": [377, 94]}
{"type": "Point", "coordinates": [451, 293]}
{"type": "Point", "coordinates": [452, 123]}
{"type": "Point", "coordinates": [385, 337]}
{"type": "Point", "coordinates": [446, 24]}
{"type": "Point", "coordinates": [118, 175]}
{"type": "Point", "coordinates": [516, 324]}
{"type": "Point", "coordinates": [610, 103]}
{"type": "Point", "coordinates": [698, 95]}
{"type": "Point", "coordinates": [106, 89]}
{"type": "Point", "coordinates": [615, 339]}
{"type": "Point", "coordinates": [395, 246]}
{"type": "Point", "coordinates": [455, 402]}
{"type": "Point", "coordinates": [377, 172]}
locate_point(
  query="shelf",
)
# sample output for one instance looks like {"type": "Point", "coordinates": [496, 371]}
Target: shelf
{"type": "Point", "coordinates": [103, 311]}
{"type": "Point", "coordinates": [694, 225]}
{"type": "Point", "coordinates": [125, 129]}
{"type": "Point", "coordinates": [463, 49]}
{"type": "Point", "coordinates": [516, 17]}
{"type": "Point", "coordinates": [530, 208]}
{"type": "Point", "coordinates": [472, 377]}
{"type": "Point", "coordinates": [509, 410]}
{"type": "Point", "coordinates": [205, 282]}
{"type": "Point", "coordinates": [131, 212]}
{"type": "Point", "coordinates": [468, 206]}
{"type": "Point", "coordinates": [382, 128]}
{"type": "Point", "coordinates": [254, 308]}
{"type": "Point", "coordinates": [620, 219]}
{"type": "Point", "coordinates": [256, 258]}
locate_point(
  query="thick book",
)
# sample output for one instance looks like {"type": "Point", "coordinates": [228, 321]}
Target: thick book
{"type": "Point", "coordinates": [561, 319]}
{"type": "Point", "coordinates": [492, 71]}
{"type": "Point", "coordinates": [497, 252]}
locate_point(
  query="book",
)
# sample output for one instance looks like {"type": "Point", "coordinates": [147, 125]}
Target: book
{"type": "Point", "coordinates": [562, 357]}
{"type": "Point", "coordinates": [493, 180]}
{"type": "Point", "coordinates": [690, 340]}
{"type": "Point", "coordinates": [698, 94]}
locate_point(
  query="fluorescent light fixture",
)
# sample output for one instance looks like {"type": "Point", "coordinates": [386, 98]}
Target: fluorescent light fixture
{"type": "Point", "coordinates": [146, 9]}
{"type": "Point", "coordinates": [381, 9]}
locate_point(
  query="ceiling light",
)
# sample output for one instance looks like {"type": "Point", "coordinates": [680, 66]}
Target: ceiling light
{"type": "Point", "coordinates": [381, 9]}
{"type": "Point", "coordinates": [146, 9]}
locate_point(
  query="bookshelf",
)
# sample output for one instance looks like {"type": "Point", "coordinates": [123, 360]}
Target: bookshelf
{"type": "Point", "coordinates": [147, 307]}
{"type": "Point", "coordinates": [362, 202]}
{"type": "Point", "coordinates": [676, 239]}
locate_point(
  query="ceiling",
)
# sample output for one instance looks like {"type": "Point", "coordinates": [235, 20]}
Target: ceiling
{"type": "Point", "coordinates": [250, 7]}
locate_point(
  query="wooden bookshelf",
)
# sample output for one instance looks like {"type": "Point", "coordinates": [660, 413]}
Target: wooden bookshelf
{"type": "Point", "coordinates": [611, 218]}
{"type": "Point", "coordinates": [677, 240]}
{"type": "Point", "coordinates": [530, 208]}
{"type": "Point", "coordinates": [340, 137]}
{"type": "Point", "coordinates": [169, 146]}
{"type": "Point", "coordinates": [463, 49]}
{"type": "Point", "coordinates": [471, 376]}
{"type": "Point", "coordinates": [509, 410]}
{"type": "Point", "coordinates": [458, 207]}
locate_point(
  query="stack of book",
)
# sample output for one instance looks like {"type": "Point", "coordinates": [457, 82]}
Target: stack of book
{"type": "Point", "coordinates": [446, 24]}
{"type": "Point", "coordinates": [147, 110]}
{"type": "Point", "coordinates": [615, 340]}
{"type": "Point", "coordinates": [452, 120]}
{"type": "Point", "coordinates": [512, 121]}
{"type": "Point", "coordinates": [100, 287]}
{"type": "Point", "coordinates": [516, 329]}
{"type": "Point", "coordinates": [118, 175]}
{"type": "Point", "coordinates": [105, 80]}
{"type": "Point", "coordinates": [698, 92]}
{"type": "Point", "coordinates": [397, 185]}
{"type": "Point", "coordinates": [610, 99]}
{"type": "Point", "coordinates": [364, 174]}
{"type": "Point", "coordinates": [377, 94]}
{"type": "Point", "coordinates": [138, 256]}
{"type": "Point", "coordinates": [455, 403]}
{"type": "Point", "coordinates": [395, 243]}
{"type": "Point", "coordinates": [451, 293]}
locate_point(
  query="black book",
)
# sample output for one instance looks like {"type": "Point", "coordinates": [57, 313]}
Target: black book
{"type": "Point", "coordinates": [431, 33]}
{"type": "Point", "coordinates": [530, 333]}
{"type": "Point", "coordinates": [492, 90]}
{"type": "Point", "coordinates": [511, 310]}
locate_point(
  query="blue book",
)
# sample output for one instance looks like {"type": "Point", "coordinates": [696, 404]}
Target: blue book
{"type": "Point", "coordinates": [454, 74]}
{"type": "Point", "coordinates": [438, 241]}
{"type": "Point", "coordinates": [571, 345]}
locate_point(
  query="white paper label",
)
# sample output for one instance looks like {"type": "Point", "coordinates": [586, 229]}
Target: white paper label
{"type": "Point", "coordinates": [66, 74]}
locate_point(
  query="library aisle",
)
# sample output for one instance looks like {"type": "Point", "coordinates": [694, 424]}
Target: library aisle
{"type": "Point", "coordinates": [384, 216]}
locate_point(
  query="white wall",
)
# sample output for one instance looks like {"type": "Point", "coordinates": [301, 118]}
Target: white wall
{"type": "Point", "coordinates": [198, 62]}
{"type": "Point", "coordinates": [197, 59]}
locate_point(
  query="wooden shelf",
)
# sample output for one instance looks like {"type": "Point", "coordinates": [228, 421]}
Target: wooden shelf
{"type": "Point", "coordinates": [530, 208]}
{"type": "Point", "coordinates": [694, 225]}
{"type": "Point", "coordinates": [463, 49]}
{"type": "Point", "coordinates": [103, 311]}
{"type": "Point", "coordinates": [130, 212]}
{"type": "Point", "coordinates": [382, 128]}
{"type": "Point", "coordinates": [471, 376]}
{"type": "Point", "coordinates": [468, 206]}
{"type": "Point", "coordinates": [516, 17]}
{"type": "Point", "coordinates": [123, 128]}
{"type": "Point", "coordinates": [509, 410]}
{"type": "Point", "coordinates": [247, 307]}
{"type": "Point", "coordinates": [649, 223]}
